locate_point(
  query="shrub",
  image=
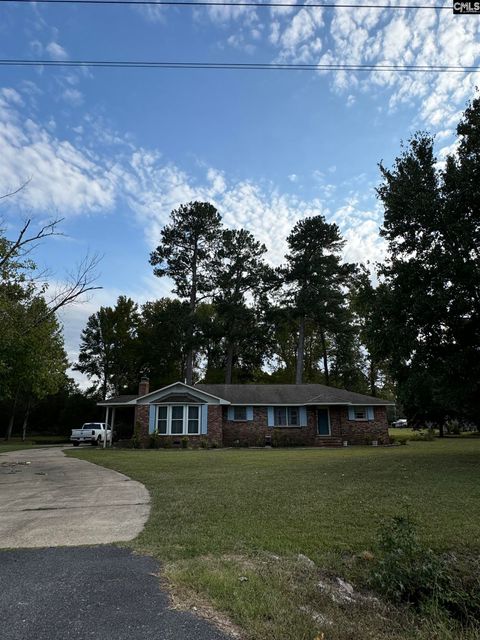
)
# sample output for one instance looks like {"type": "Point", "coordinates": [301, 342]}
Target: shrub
{"type": "Point", "coordinates": [407, 571]}
{"type": "Point", "coordinates": [399, 439]}
{"type": "Point", "coordinates": [184, 442]}
{"type": "Point", "coordinates": [137, 435]}
{"type": "Point", "coordinates": [288, 438]}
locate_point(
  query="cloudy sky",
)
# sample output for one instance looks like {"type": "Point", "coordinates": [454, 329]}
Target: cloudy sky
{"type": "Point", "coordinates": [112, 151]}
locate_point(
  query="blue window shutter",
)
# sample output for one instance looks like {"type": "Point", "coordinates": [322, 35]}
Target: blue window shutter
{"type": "Point", "coordinates": [303, 416]}
{"type": "Point", "coordinates": [151, 418]}
{"type": "Point", "coordinates": [249, 413]}
{"type": "Point", "coordinates": [230, 413]}
{"type": "Point", "coordinates": [270, 417]}
{"type": "Point", "coordinates": [204, 419]}
{"type": "Point", "coordinates": [370, 415]}
{"type": "Point", "coordinates": [351, 413]}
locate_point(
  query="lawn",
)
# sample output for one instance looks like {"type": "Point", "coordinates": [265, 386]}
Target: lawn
{"type": "Point", "coordinates": [16, 444]}
{"type": "Point", "coordinates": [224, 515]}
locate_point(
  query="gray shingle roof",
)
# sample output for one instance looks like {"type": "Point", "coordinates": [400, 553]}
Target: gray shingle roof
{"type": "Point", "coordinates": [270, 394]}
{"type": "Point", "coordinates": [287, 394]}
{"type": "Point", "coordinates": [118, 400]}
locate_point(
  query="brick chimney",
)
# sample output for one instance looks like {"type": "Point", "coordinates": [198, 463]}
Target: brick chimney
{"type": "Point", "coordinates": [144, 386]}
{"type": "Point", "coordinates": [142, 413]}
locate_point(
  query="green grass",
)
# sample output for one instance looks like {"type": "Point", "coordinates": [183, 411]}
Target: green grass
{"type": "Point", "coordinates": [16, 444]}
{"type": "Point", "coordinates": [219, 515]}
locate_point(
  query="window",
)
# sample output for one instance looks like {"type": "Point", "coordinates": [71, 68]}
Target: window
{"type": "Point", "coordinates": [360, 413]}
{"type": "Point", "coordinates": [162, 420]}
{"type": "Point", "coordinates": [286, 417]}
{"type": "Point", "coordinates": [176, 425]}
{"type": "Point", "coordinates": [239, 413]}
{"type": "Point", "coordinates": [193, 420]}
{"type": "Point", "coordinates": [178, 420]}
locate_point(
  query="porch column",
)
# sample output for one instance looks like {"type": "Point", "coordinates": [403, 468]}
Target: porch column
{"type": "Point", "coordinates": [112, 425]}
{"type": "Point", "coordinates": [106, 425]}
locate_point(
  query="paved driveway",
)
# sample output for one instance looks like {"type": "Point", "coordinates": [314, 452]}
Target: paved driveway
{"type": "Point", "coordinates": [103, 593]}
{"type": "Point", "coordinates": [48, 500]}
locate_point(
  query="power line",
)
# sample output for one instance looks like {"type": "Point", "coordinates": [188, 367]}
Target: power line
{"type": "Point", "coordinates": [239, 66]}
{"type": "Point", "coordinates": [225, 3]}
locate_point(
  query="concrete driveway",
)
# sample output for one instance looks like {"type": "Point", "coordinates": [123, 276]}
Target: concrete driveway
{"type": "Point", "coordinates": [49, 500]}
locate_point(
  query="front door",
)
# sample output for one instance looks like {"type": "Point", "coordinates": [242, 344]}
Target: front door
{"type": "Point", "coordinates": [323, 422]}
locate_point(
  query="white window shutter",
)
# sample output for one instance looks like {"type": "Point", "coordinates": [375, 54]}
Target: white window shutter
{"type": "Point", "coordinates": [229, 413]}
{"type": "Point", "coordinates": [249, 413]}
{"type": "Point", "coordinates": [370, 414]}
{"type": "Point", "coordinates": [351, 413]}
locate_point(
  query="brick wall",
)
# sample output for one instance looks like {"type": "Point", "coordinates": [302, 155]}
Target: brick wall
{"type": "Point", "coordinates": [215, 424]}
{"type": "Point", "coordinates": [141, 423]}
{"type": "Point", "coordinates": [363, 432]}
{"type": "Point", "coordinates": [256, 432]}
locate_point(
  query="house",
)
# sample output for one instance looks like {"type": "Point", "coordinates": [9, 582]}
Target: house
{"type": "Point", "coordinates": [254, 414]}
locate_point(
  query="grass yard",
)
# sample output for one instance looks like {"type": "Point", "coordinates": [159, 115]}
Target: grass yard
{"type": "Point", "coordinates": [229, 525]}
{"type": "Point", "coordinates": [16, 444]}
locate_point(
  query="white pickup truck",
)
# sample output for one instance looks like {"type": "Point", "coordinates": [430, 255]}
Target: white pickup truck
{"type": "Point", "coordinates": [93, 432]}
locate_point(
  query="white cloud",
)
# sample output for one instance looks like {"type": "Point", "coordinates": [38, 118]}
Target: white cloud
{"type": "Point", "coordinates": [56, 51]}
{"type": "Point", "coordinates": [74, 97]}
{"type": "Point", "coordinates": [63, 178]}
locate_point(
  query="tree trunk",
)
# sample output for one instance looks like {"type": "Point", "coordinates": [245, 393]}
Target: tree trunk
{"type": "Point", "coordinates": [25, 421]}
{"type": "Point", "coordinates": [373, 376]}
{"type": "Point", "coordinates": [193, 306]}
{"type": "Point", "coordinates": [325, 358]}
{"type": "Point", "coordinates": [12, 418]}
{"type": "Point", "coordinates": [229, 363]}
{"type": "Point", "coordinates": [189, 367]}
{"type": "Point", "coordinates": [300, 351]}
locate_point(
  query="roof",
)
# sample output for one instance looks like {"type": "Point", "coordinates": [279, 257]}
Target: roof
{"type": "Point", "coordinates": [118, 400]}
{"type": "Point", "coordinates": [268, 394]}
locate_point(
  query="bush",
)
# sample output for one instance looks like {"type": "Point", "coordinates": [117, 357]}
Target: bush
{"type": "Point", "coordinates": [407, 571]}
{"type": "Point", "coordinates": [288, 438]}
{"type": "Point", "coordinates": [184, 442]}
{"type": "Point", "coordinates": [399, 439]}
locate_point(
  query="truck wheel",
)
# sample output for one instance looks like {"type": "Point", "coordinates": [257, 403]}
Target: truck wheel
{"type": "Point", "coordinates": [94, 442]}
{"type": "Point", "coordinates": [75, 444]}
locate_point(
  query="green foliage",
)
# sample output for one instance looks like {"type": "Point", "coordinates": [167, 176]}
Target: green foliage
{"type": "Point", "coordinates": [315, 279]}
{"type": "Point", "coordinates": [108, 349]}
{"type": "Point", "coordinates": [427, 305]}
{"type": "Point", "coordinates": [407, 571]}
{"type": "Point", "coordinates": [400, 439]}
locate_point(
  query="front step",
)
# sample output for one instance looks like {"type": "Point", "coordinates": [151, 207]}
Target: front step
{"type": "Point", "coordinates": [328, 442]}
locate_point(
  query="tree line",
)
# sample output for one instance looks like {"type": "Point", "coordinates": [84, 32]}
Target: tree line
{"type": "Point", "coordinates": [407, 328]}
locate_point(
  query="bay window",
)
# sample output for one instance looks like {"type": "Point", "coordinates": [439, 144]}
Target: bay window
{"type": "Point", "coordinates": [177, 420]}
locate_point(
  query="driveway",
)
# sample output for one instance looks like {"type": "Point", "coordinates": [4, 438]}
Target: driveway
{"type": "Point", "coordinates": [49, 500]}
{"type": "Point", "coordinates": [104, 593]}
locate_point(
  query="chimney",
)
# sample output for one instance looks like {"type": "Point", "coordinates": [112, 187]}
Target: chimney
{"type": "Point", "coordinates": [144, 386]}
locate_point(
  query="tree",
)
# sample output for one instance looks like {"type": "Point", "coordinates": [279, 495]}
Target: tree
{"type": "Point", "coordinates": [109, 348]}
{"type": "Point", "coordinates": [315, 278]}
{"type": "Point", "coordinates": [32, 357]}
{"type": "Point", "coordinates": [431, 278]}
{"type": "Point", "coordinates": [187, 253]}
{"type": "Point", "coordinates": [164, 340]}
{"type": "Point", "coordinates": [240, 272]}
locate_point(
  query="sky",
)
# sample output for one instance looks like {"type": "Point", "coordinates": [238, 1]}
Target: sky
{"type": "Point", "coordinates": [113, 151]}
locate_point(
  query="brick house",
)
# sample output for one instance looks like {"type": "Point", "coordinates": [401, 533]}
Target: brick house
{"type": "Point", "coordinates": [254, 414]}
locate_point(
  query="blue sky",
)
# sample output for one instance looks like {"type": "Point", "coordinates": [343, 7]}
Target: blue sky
{"type": "Point", "coordinates": [113, 151]}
